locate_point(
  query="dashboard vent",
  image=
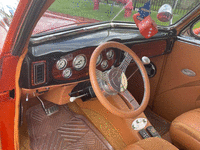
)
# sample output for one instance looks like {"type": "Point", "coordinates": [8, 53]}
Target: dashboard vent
{"type": "Point", "coordinates": [39, 73]}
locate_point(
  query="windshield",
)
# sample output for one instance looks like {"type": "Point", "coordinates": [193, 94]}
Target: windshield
{"type": "Point", "coordinates": [68, 13]}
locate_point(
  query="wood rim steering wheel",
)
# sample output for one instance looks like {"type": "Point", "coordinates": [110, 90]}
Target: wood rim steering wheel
{"type": "Point", "coordinates": [114, 81]}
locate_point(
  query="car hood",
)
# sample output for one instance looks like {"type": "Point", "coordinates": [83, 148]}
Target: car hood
{"type": "Point", "coordinates": [52, 21]}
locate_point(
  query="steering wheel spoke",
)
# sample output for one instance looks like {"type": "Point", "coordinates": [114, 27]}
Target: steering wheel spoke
{"type": "Point", "coordinates": [130, 99]}
{"type": "Point", "coordinates": [101, 75]}
{"type": "Point", "coordinates": [127, 60]}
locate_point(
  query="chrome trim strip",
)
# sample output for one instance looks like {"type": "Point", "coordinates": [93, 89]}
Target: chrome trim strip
{"type": "Point", "coordinates": [189, 40]}
{"type": "Point", "coordinates": [37, 40]}
{"type": "Point", "coordinates": [122, 25]}
{"type": "Point", "coordinates": [68, 33]}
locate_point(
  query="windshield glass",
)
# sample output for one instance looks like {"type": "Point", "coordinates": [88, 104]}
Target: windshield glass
{"type": "Point", "coordinates": [68, 13]}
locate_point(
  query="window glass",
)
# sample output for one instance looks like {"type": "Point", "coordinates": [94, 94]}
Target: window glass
{"type": "Point", "coordinates": [68, 13]}
{"type": "Point", "coordinates": [7, 10]}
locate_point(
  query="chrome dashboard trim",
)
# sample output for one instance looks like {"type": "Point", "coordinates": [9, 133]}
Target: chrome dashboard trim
{"type": "Point", "coordinates": [189, 40]}
{"type": "Point", "coordinates": [70, 32]}
{"type": "Point", "coordinates": [36, 40]}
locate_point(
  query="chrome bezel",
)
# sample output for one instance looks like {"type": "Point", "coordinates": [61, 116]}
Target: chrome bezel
{"type": "Point", "coordinates": [63, 59]}
{"type": "Point", "coordinates": [99, 60]}
{"type": "Point", "coordinates": [76, 59]}
{"type": "Point", "coordinates": [106, 65]}
{"type": "Point", "coordinates": [109, 58]}
{"type": "Point", "coordinates": [69, 74]}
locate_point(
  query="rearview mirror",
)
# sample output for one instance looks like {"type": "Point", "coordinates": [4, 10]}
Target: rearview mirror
{"type": "Point", "coordinates": [165, 13]}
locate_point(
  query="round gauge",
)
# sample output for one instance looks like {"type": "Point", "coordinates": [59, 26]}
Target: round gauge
{"type": "Point", "coordinates": [79, 62]}
{"type": "Point", "coordinates": [104, 64]}
{"type": "Point", "coordinates": [110, 54]}
{"type": "Point", "coordinates": [67, 73]}
{"type": "Point", "coordinates": [99, 59]}
{"type": "Point", "coordinates": [61, 64]}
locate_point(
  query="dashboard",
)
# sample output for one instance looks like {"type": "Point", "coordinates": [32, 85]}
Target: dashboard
{"type": "Point", "coordinates": [59, 68]}
{"type": "Point", "coordinates": [66, 59]}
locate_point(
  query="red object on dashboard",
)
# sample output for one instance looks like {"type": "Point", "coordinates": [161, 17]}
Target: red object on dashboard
{"type": "Point", "coordinates": [148, 27]}
{"type": "Point", "coordinates": [137, 19]}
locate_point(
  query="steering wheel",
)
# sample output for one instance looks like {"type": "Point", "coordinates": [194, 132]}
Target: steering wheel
{"type": "Point", "coordinates": [114, 81]}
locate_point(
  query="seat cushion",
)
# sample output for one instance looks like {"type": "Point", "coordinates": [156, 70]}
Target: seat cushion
{"type": "Point", "coordinates": [153, 143]}
{"type": "Point", "coordinates": [185, 130]}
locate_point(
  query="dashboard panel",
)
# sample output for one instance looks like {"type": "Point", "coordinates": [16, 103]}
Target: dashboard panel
{"type": "Point", "coordinates": [59, 68]}
{"type": "Point", "coordinates": [66, 59]}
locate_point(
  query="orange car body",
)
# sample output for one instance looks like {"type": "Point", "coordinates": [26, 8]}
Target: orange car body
{"type": "Point", "coordinates": [9, 62]}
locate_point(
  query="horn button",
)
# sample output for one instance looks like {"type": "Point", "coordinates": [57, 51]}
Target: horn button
{"type": "Point", "coordinates": [117, 79]}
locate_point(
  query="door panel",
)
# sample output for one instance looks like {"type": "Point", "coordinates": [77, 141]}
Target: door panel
{"type": "Point", "coordinates": [135, 83]}
{"type": "Point", "coordinates": [177, 92]}
{"type": "Point", "coordinates": [154, 50]}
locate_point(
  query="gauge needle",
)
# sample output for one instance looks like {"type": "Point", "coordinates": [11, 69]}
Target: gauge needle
{"type": "Point", "coordinates": [79, 62]}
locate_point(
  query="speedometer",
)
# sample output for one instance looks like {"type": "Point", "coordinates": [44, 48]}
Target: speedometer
{"type": "Point", "coordinates": [79, 62]}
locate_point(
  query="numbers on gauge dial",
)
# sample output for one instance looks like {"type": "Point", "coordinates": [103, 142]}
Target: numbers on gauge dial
{"type": "Point", "coordinates": [110, 54]}
{"type": "Point", "coordinates": [79, 62]}
{"type": "Point", "coordinates": [61, 64]}
{"type": "Point", "coordinates": [104, 64]}
{"type": "Point", "coordinates": [99, 59]}
{"type": "Point", "coordinates": [67, 73]}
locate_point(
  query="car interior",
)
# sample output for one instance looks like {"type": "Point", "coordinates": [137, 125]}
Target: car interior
{"type": "Point", "coordinates": [106, 87]}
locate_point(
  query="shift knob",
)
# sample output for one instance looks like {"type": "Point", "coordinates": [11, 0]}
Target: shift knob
{"type": "Point", "coordinates": [72, 99]}
{"type": "Point", "coordinates": [145, 60]}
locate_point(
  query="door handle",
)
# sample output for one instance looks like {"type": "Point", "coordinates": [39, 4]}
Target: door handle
{"type": "Point", "coordinates": [188, 72]}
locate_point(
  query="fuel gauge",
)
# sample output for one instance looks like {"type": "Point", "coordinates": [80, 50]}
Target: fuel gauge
{"type": "Point", "coordinates": [67, 73]}
{"type": "Point", "coordinates": [61, 64]}
{"type": "Point", "coordinates": [104, 64]}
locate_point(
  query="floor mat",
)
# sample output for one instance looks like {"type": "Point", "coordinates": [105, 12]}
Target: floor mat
{"type": "Point", "coordinates": [161, 125]}
{"type": "Point", "coordinates": [63, 130]}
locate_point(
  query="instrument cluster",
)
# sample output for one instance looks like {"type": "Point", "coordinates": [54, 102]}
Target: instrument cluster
{"type": "Point", "coordinates": [76, 64]}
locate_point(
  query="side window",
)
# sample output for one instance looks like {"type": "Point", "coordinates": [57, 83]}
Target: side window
{"type": "Point", "coordinates": [196, 29]}
{"type": "Point", "coordinates": [192, 32]}
{"type": "Point", "coordinates": [7, 10]}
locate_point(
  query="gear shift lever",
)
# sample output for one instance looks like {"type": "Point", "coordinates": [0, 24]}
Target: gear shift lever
{"type": "Point", "coordinates": [145, 60]}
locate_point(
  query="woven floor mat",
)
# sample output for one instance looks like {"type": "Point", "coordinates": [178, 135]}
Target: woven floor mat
{"type": "Point", "coordinates": [63, 130]}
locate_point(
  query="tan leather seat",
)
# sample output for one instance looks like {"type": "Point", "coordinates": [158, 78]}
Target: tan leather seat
{"type": "Point", "coordinates": [185, 130]}
{"type": "Point", "coordinates": [153, 143]}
